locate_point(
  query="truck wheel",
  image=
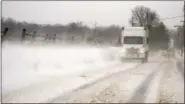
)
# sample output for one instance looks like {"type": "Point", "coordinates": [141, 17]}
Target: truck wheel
{"type": "Point", "coordinates": [145, 59]}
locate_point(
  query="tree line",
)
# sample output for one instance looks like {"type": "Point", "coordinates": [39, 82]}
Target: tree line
{"type": "Point", "coordinates": [79, 32]}
{"type": "Point", "coordinates": [72, 32]}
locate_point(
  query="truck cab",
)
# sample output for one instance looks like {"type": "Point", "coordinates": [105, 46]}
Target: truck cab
{"type": "Point", "coordinates": [134, 43]}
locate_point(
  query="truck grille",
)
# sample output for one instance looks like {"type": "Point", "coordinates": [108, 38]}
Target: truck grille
{"type": "Point", "coordinates": [132, 50]}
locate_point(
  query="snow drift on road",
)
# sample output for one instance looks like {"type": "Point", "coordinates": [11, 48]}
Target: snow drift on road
{"type": "Point", "coordinates": [26, 64]}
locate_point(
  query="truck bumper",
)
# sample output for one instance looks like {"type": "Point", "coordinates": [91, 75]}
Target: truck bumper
{"type": "Point", "coordinates": [133, 56]}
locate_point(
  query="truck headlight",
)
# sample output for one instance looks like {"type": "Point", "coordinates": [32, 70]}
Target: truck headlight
{"type": "Point", "coordinates": [142, 50]}
{"type": "Point", "coordinates": [123, 50]}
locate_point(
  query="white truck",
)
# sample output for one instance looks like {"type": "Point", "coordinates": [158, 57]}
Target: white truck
{"type": "Point", "coordinates": [134, 43]}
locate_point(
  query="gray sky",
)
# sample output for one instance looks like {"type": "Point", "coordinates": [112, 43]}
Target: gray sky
{"type": "Point", "coordinates": [103, 12]}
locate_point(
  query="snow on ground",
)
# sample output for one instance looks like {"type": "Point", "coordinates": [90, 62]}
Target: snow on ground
{"type": "Point", "coordinates": [154, 82]}
{"type": "Point", "coordinates": [25, 64]}
{"type": "Point", "coordinates": [179, 57]}
{"type": "Point", "coordinates": [50, 89]}
{"type": "Point", "coordinates": [171, 89]}
{"type": "Point", "coordinates": [152, 93]}
{"type": "Point", "coordinates": [124, 86]}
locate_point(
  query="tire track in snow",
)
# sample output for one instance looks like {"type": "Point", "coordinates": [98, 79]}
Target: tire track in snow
{"type": "Point", "coordinates": [140, 94]}
{"type": "Point", "coordinates": [67, 96]}
{"type": "Point", "coordinates": [43, 91]}
{"type": "Point", "coordinates": [171, 89]}
{"type": "Point", "coordinates": [180, 67]}
{"type": "Point", "coordinates": [108, 93]}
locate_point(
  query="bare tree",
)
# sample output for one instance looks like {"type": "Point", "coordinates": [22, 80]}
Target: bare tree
{"type": "Point", "coordinates": [143, 16]}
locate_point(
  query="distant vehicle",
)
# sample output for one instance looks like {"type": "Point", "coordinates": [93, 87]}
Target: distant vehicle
{"type": "Point", "coordinates": [134, 43]}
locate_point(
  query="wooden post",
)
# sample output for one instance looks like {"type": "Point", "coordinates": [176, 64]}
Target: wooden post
{"type": "Point", "coordinates": [23, 34]}
{"type": "Point", "coordinates": [4, 34]}
{"type": "Point", "coordinates": [46, 37]}
{"type": "Point", "coordinates": [34, 35]}
{"type": "Point", "coordinates": [54, 38]}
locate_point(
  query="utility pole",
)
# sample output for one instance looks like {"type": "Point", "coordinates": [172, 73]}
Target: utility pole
{"type": "Point", "coordinates": [184, 13]}
{"type": "Point", "coordinates": [184, 27]}
{"type": "Point", "coordinates": [179, 38]}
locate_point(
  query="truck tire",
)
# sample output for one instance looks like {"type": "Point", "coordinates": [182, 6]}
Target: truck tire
{"type": "Point", "coordinates": [145, 59]}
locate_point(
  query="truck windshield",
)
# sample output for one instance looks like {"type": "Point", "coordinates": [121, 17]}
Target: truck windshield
{"type": "Point", "coordinates": [133, 40]}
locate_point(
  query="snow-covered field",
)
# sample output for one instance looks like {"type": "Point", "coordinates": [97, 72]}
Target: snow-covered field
{"type": "Point", "coordinates": [25, 64]}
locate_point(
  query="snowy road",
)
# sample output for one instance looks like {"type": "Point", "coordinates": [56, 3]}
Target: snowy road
{"type": "Point", "coordinates": [86, 74]}
{"type": "Point", "coordinates": [154, 82]}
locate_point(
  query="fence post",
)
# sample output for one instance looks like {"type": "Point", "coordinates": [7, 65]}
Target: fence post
{"type": "Point", "coordinates": [54, 38]}
{"type": "Point", "coordinates": [34, 35]}
{"type": "Point", "coordinates": [23, 34]}
{"type": "Point", "coordinates": [4, 34]}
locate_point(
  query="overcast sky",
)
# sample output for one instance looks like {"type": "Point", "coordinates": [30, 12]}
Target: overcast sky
{"type": "Point", "coordinates": [103, 12]}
